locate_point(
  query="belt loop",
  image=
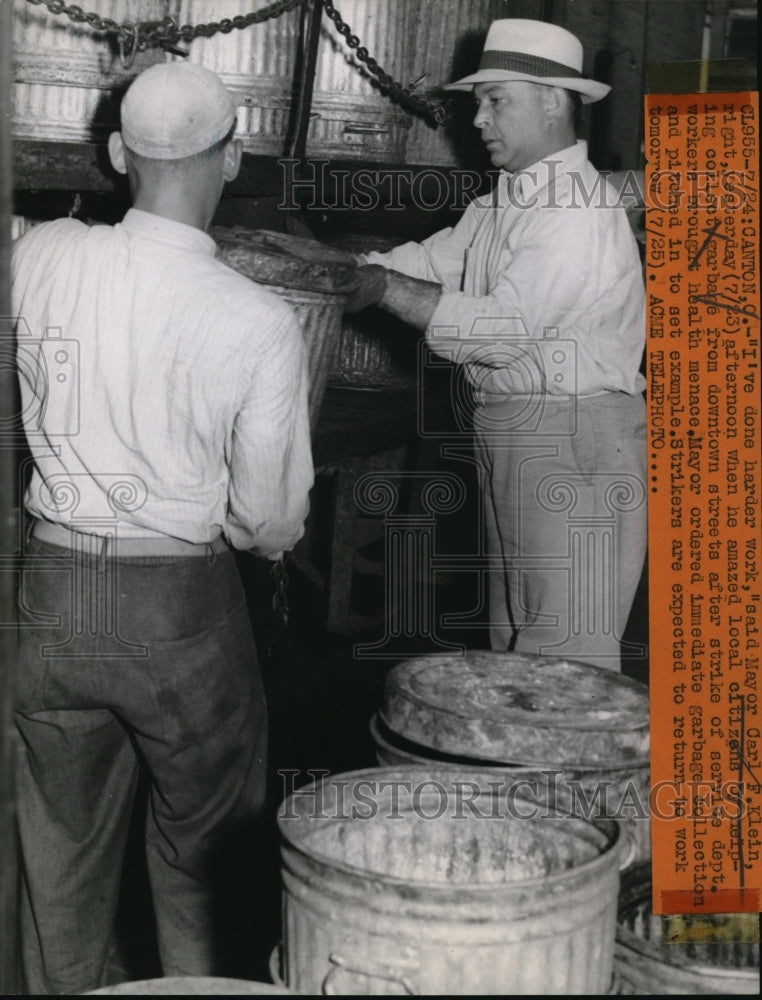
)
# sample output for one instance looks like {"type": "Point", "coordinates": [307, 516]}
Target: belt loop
{"type": "Point", "coordinates": [211, 555]}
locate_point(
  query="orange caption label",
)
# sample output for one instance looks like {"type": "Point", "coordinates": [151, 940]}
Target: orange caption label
{"type": "Point", "coordinates": [705, 592]}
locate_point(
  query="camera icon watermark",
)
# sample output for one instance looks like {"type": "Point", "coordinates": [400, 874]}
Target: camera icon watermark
{"type": "Point", "coordinates": [48, 370]}
{"type": "Point", "coordinates": [497, 361]}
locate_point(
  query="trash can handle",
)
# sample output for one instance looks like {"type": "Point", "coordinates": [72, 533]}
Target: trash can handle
{"type": "Point", "coordinates": [377, 972]}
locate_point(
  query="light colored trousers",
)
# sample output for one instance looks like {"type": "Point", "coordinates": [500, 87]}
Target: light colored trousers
{"type": "Point", "coordinates": [565, 494]}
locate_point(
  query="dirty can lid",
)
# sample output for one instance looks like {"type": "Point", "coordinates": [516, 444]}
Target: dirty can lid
{"type": "Point", "coordinates": [281, 259]}
{"type": "Point", "coordinates": [518, 709]}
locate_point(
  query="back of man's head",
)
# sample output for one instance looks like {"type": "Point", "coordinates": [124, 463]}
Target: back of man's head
{"type": "Point", "coordinates": [175, 146]}
{"type": "Point", "coordinates": [175, 110]}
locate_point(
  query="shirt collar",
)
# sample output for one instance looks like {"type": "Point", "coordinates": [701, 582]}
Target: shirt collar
{"type": "Point", "coordinates": [523, 186]}
{"type": "Point", "coordinates": [167, 231]}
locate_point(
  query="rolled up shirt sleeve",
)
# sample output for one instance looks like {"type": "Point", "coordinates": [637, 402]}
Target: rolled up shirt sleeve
{"type": "Point", "coordinates": [559, 318]}
{"type": "Point", "coordinates": [440, 258]}
{"type": "Point", "coordinates": [535, 298]}
{"type": "Point", "coordinates": [271, 470]}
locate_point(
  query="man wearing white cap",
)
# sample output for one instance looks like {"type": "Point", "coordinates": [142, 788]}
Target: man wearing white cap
{"type": "Point", "coordinates": [538, 293]}
{"type": "Point", "coordinates": [169, 426]}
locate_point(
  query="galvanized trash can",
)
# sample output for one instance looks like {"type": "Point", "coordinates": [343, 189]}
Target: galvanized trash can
{"type": "Point", "coordinates": [191, 986]}
{"type": "Point", "coordinates": [376, 350]}
{"type": "Point", "coordinates": [648, 966]}
{"type": "Point", "coordinates": [421, 880]}
{"type": "Point", "coordinates": [312, 277]}
{"type": "Point", "coordinates": [586, 726]}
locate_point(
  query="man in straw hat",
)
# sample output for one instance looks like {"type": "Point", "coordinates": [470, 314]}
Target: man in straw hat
{"type": "Point", "coordinates": [170, 425]}
{"type": "Point", "coordinates": [538, 294]}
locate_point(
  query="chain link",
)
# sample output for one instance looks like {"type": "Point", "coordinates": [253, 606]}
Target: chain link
{"type": "Point", "coordinates": [135, 37]}
{"type": "Point", "coordinates": [77, 15]}
{"type": "Point", "coordinates": [402, 95]}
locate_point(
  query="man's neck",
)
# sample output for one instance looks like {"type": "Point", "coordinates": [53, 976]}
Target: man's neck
{"type": "Point", "coordinates": [551, 152]}
{"type": "Point", "coordinates": [178, 210]}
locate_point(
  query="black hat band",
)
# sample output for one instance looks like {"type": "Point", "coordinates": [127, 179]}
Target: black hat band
{"type": "Point", "coordinates": [521, 62]}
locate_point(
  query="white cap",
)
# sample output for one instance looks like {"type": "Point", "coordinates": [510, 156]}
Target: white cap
{"type": "Point", "coordinates": [176, 109]}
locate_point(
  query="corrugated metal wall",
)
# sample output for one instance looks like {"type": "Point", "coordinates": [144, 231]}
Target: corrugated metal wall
{"type": "Point", "coordinates": [449, 43]}
{"type": "Point", "coordinates": [256, 63]}
{"type": "Point", "coordinates": [351, 118]}
{"type": "Point", "coordinates": [65, 73]}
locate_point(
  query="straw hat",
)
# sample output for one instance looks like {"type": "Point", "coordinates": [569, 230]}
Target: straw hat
{"type": "Point", "coordinates": [518, 49]}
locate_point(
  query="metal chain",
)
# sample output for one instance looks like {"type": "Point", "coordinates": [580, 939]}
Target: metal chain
{"type": "Point", "coordinates": [403, 95]}
{"type": "Point", "coordinates": [136, 37]}
{"type": "Point", "coordinates": [77, 15]}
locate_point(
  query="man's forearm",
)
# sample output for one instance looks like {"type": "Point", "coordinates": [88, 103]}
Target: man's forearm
{"type": "Point", "coordinates": [410, 299]}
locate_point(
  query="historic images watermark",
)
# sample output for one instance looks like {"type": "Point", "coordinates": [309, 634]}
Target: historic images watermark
{"type": "Point", "coordinates": [318, 185]}
{"type": "Point", "coordinates": [547, 793]}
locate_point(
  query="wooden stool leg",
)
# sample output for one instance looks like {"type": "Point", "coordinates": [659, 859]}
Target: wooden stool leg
{"type": "Point", "coordinates": [340, 615]}
{"type": "Point", "coordinates": [341, 618]}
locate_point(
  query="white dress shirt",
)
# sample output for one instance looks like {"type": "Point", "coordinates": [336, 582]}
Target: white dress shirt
{"type": "Point", "coordinates": [162, 392]}
{"type": "Point", "coordinates": [542, 284]}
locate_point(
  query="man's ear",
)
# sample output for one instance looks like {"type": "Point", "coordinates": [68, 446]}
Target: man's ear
{"type": "Point", "coordinates": [555, 101]}
{"type": "Point", "coordinates": [116, 152]}
{"type": "Point", "coordinates": [232, 162]}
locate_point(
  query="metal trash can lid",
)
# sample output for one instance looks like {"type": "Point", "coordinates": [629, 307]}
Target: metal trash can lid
{"type": "Point", "coordinates": [518, 709]}
{"type": "Point", "coordinates": [281, 259]}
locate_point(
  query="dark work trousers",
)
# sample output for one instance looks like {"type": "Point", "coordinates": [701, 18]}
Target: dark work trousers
{"type": "Point", "coordinates": [124, 661]}
{"type": "Point", "coordinates": [564, 487]}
